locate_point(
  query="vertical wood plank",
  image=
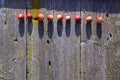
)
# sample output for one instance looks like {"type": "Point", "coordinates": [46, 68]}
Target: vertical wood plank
{"type": "Point", "coordinates": [40, 43]}
{"type": "Point", "coordinates": [12, 41]}
{"type": "Point", "coordinates": [73, 43]}
{"type": "Point", "coordinates": [59, 41]}
{"type": "Point", "coordinates": [111, 42]}
{"type": "Point", "coordinates": [32, 40]}
{"type": "Point", "coordinates": [54, 48]}
{"type": "Point", "coordinates": [100, 57]}
{"type": "Point", "coordinates": [67, 41]}
{"type": "Point", "coordinates": [53, 57]}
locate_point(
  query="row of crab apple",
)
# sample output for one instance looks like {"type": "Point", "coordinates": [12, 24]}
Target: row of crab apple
{"type": "Point", "coordinates": [50, 18]}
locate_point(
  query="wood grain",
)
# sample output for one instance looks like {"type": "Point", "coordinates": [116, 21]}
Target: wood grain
{"type": "Point", "coordinates": [67, 41]}
{"type": "Point", "coordinates": [100, 54]}
{"type": "Point", "coordinates": [39, 43]}
{"type": "Point", "coordinates": [53, 57]}
{"type": "Point", "coordinates": [59, 50]}
{"type": "Point", "coordinates": [12, 41]}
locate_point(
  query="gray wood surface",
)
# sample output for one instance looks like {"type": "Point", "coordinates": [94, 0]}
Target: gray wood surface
{"type": "Point", "coordinates": [12, 41]}
{"type": "Point", "coordinates": [33, 50]}
{"type": "Point", "coordinates": [100, 55]}
{"type": "Point", "coordinates": [54, 48]}
{"type": "Point", "coordinates": [67, 41]}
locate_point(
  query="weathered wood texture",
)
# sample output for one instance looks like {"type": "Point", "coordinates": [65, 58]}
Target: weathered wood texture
{"type": "Point", "coordinates": [100, 56]}
{"type": "Point", "coordinates": [33, 50]}
{"type": "Point", "coordinates": [12, 41]}
{"type": "Point", "coordinates": [55, 52]}
{"type": "Point", "coordinates": [54, 48]}
{"type": "Point", "coordinates": [59, 46]}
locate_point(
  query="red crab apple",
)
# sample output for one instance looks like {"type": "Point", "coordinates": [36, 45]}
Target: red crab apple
{"type": "Point", "coordinates": [50, 18]}
{"type": "Point", "coordinates": [40, 17]}
{"type": "Point", "coordinates": [21, 17]}
{"type": "Point", "coordinates": [68, 18]}
{"type": "Point", "coordinates": [99, 20]}
{"type": "Point", "coordinates": [78, 18]}
{"type": "Point", "coordinates": [59, 17]}
{"type": "Point", "coordinates": [29, 16]}
{"type": "Point", "coordinates": [89, 19]}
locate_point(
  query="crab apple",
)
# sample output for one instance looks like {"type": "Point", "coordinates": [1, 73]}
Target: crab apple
{"type": "Point", "coordinates": [50, 18]}
{"type": "Point", "coordinates": [68, 18]}
{"type": "Point", "coordinates": [21, 17]}
{"type": "Point", "coordinates": [89, 19]}
{"type": "Point", "coordinates": [99, 20]}
{"type": "Point", "coordinates": [78, 18]}
{"type": "Point", "coordinates": [40, 17]}
{"type": "Point", "coordinates": [59, 17]}
{"type": "Point", "coordinates": [29, 16]}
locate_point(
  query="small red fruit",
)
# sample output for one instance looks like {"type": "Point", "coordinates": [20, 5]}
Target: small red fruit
{"type": "Point", "coordinates": [21, 17]}
{"type": "Point", "coordinates": [99, 20]}
{"type": "Point", "coordinates": [89, 19]}
{"type": "Point", "coordinates": [40, 17]}
{"type": "Point", "coordinates": [78, 18]}
{"type": "Point", "coordinates": [29, 16]}
{"type": "Point", "coordinates": [59, 17]}
{"type": "Point", "coordinates": [68, 18]}
{"type": "Point", "coordinates": [50, 18]}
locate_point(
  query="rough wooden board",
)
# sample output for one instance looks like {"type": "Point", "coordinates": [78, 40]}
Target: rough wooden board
{"type": "Point", "coordinates": [2, 49]}
{"type": "Point", "coordinates": [59, 41]}
{"type": "Point", "coordinates": [100, 54]}
{"type": "Point", "coordinates": [66, 48]}
{"type": "Point", "coordinates": [112, 46]}
{"type": "Point", "coordinates": [50, 57]}
{"type": "Point", "coordinates": [74, 41]}
{"type": "Point", "coordinates": [32, 44]}
{"type": "Point", "coordinates": [39, 45]}
{"type": "Point", "coordinates": [91, 56]}
{"type": "Point", "coordinates": [12, 42]}
{"type": "Point", "coordinates": [53, 53]}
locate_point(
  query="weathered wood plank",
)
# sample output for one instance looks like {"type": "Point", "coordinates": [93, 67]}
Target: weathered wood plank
{"type": "Point", "coordinates": [39, 43]}
{"type": "Point", "coordinates": [12, 41]}
{"type": "Point", "coordinates": [59, 43]}
{"type": "Point", "coordinates": [50, 55]}
{"type": "Point", "coordinates": [72, 55]}
{"type": "Point", "coordinates": [100, 54]}
{"type": "Point", "coordinates": [2, 49]}
{"type": "Point", "coordinates": [112, 45]}
{"type": "Point", "coordinates": [32, 42]}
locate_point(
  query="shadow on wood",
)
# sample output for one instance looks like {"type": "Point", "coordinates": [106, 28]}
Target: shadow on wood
{"type": "Point", "coordinates": [77, 29]}
{"type": "Point", "coordinates": [30, 27]}
{"type": "Point", "coordinates": [50, 29]}
{"type": "Point", "coordinates": [68, 29]}
{"type": "Point", "coordinates": [59, 28]}
{"type": "Point", "coordinates": [21, 28]}
{"type": "Point", "coordinates": [41, 29]}
{"type": "Point", "coordinates": [88, 30]}
{"type": "Point", "coordinates": [99, 30]}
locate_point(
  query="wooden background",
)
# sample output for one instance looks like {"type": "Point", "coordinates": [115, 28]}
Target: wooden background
{"type": "Point", "coordinates": [33, 50]}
